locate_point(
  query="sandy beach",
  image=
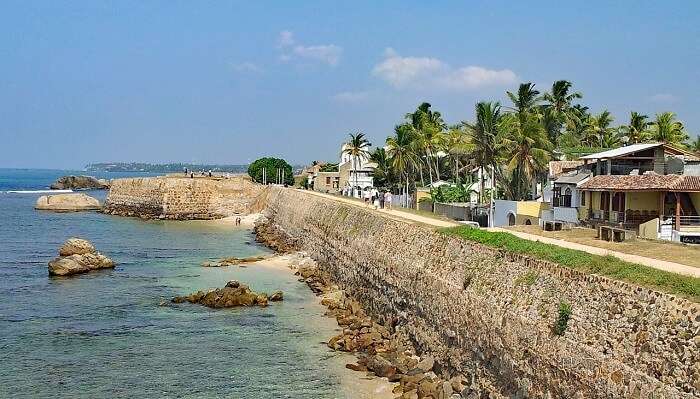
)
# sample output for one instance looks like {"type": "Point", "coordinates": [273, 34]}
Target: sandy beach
{"type": "Point", "coordinates": [354, 384]}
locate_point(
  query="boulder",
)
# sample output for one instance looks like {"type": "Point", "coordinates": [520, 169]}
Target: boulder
{"type": "Point", "coordinates": [79, 183]}
{"type": "Point", "coordinates": [276, 296]}
{"type": "Point", "coordinates": [232, 295]}
{"type": "Point", "coordinates": [67, 203]}
{"type": "Point", "coordinates": [76, 246]}
{"type": "Point", "coordinates": [78, 256]}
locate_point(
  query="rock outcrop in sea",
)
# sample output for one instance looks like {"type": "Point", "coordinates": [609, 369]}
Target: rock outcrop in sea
{"type": "Point", "coordinates": [80, 183]}
{"type": "Point", "coordinates": [232, 295]}
{"type": "Point", "coordinates": [78, 256]}
{"type": "Point", "coordinates": [67, 203]}
{"type": "Point", "coordinates": [232, 261]}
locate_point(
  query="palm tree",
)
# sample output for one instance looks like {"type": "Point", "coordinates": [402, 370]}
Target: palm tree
{"type": "Point", "coordinates": [638, 128]}
{"type": "Point", "coordinates": [695, 145]}
{"type": "Point", "coordinates": [382, 172]}
{"type": "Point", "coordinates": [601, 130]}
{"type": "Point", "coordinates": [428, 126]}
{"type": "Point", "coordinates": [402, 156]}
{"type": "Point", "coordinates": [526, 99]}
{"type": "Point", "coordinates": [526, 151]}
{"type": "Point", "coordinates": [667, 129]}
{"type": "Point", "coordinates": [357, 148]}
{"type": "Point", "coordinates": [456, 144]}
{"type": "Point", "coordinates": [559, 101]}
{"type": "Point", "coordinates": [482, 136]}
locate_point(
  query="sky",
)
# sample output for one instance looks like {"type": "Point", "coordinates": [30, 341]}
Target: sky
{"type": "Point", "coordinates": [229, 81]}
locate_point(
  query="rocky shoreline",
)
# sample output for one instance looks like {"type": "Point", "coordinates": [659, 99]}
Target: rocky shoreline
{"type": "Point", "coordinates": [381, 346]}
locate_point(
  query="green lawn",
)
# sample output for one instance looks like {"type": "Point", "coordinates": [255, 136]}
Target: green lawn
{"type": "Point", "coordinates": [610, 266]}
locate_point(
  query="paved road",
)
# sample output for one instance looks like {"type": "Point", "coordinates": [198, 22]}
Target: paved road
{"type": "Point", "coordinates": [415, 218]}
{"type": "Point", "coordinates": [642, 260]}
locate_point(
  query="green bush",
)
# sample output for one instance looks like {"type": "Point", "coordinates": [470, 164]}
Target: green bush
{"type": "Point", "coordinates": [609, 266]}
{"type": "Point", "coordinates": [562, 318]}
{"type": "Point", "coordinates": [270, 165]}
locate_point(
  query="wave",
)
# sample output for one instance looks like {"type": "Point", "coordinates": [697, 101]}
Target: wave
{"type": "Point", "coordinates": [37, 191]}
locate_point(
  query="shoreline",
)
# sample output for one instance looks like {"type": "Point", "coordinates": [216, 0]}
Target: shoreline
{"type": "Point", "coordinates": [354, 384]}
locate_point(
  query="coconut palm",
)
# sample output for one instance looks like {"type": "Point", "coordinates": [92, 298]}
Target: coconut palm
{"type": "Point", "coordinates": [383, 175]}
{"type": "Point", "coordinates": [637, 130]}
{"type": "Point", "coordinates": [402, 156]}
{"type": "Point", "coordinates": [600, 130]}
{"type": "Point", "coordinates": [526, 151]}
{"type": "Point", "coordinates": [457, 145]}
{"type": "Point", "coordinates": [358, 150]}
{"type": "Point", "coordinates": [667, 129]}
{"type": "Point", "coordinates": [695, 144]}
{"type": "Point", "coordinates": [525, 100]}
{"type": "Point", "coordinates": [559, 102]}
{"type": "Point", "coordinates": [428, 126]}
{"type": "Point", "coordinates": [482, 136]}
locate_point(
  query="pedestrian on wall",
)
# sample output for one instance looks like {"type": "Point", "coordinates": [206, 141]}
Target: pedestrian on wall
{"type": "Point", "coordinates": [387, 199]}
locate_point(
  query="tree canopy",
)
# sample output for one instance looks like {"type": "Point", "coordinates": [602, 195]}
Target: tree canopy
{"type": "Point", "coordinates": [270, 166]}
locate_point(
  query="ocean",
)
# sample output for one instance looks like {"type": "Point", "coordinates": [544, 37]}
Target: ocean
{"type": "Point", "coordinates": [113, 334]}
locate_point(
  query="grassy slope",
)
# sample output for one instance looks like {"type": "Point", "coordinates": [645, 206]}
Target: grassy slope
{"type": "Point", "coordinates": [610, 266]}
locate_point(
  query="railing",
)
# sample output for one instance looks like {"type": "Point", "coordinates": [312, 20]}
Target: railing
{"type": "Point", "coordinates": [685, 221]}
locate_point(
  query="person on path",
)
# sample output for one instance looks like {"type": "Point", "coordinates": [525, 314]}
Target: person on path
{"type": "Point", "coordinates": [387, 199]}
{"type": "Point", "coordinates": [367, 195]}
{"type": "Point", "coordinates": [381, 200]}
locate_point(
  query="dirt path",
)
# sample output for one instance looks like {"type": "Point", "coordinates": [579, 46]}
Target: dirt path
{"type": "Point", "coordinates": [395, 214]}
{"type": "Point", "coordinates": [642, 260]}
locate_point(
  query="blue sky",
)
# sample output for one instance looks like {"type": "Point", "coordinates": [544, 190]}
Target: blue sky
{"type": "Point", "coordinates": [227, 82]}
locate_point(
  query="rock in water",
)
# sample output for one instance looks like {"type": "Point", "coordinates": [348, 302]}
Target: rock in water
{"type": "Point", "coordinates": [67, 203]}
{"type": "Point", "coordinates": [79, 183]}
{"type": "Point", "coordinates": [78, 256]}
{"type": "Point", "coordinates": [276, 296]}
{"type": "Point", "coordinates": [232, 295]}
{"type": "Point", "coordinates": [76, 246]}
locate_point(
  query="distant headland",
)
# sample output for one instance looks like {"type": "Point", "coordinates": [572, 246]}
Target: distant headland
{"type": "Point", "coordinates": [161, 167]}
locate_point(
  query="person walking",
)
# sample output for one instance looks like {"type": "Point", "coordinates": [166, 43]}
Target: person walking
{"type": "Point", "coordinates": [381, 200]}
{"type": "Point", "coordinates": [387, 199]}
{"type": "Point", "coordinates": [367, 194]}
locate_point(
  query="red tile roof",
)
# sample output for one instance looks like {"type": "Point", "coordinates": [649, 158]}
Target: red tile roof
{"type": "Point", "coordinates": [649, 182]}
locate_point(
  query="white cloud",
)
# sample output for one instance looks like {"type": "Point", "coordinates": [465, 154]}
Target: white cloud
{"type": "Point", "coordinates": [425, 72]}
{"type": "Point", "coordinates": [286, 38]}
{"type": "Point", "coordinates": [328, 53]}
{"type": "Point", "coordinates": [663, 98]}
{"type": "Point", "coordinates": [351, 96]}
{"type": "Point", "coordinates": [246, 67]}
{"type": "Point", "coordinates": [324, 53]}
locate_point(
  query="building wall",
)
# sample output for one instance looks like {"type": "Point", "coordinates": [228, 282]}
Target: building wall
{"type": "Point", "coordinates": [695, 197]}
{"type": "Point", "coordinates": [466, 305]}
{"type": "Point", "coordinates": [642, 201]}
{"type": "Point", "coordinates": [531, 208]}
{"type": "Point", "coordinates": [322, 183]}
{"type": "Point", "coordinates": [502, 208]}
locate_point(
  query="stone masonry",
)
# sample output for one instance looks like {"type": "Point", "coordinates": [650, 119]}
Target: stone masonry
{"type": "Point", "coordinates": [485, 312]}
{"type": "Point", "coordinates": [182, 198]}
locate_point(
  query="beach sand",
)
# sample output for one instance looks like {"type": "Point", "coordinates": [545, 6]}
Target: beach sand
{"type": "Point", "coordinates": [354, 384]}
{"type": "Point", "coordinates": [247, 221]}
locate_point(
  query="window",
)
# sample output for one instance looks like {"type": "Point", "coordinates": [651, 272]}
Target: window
{"type": "Point", "coordinates": [566, 198]}
{"type": "Point", "coordinates": [583, 198]}
{"type": "Point", "coordinates": [328, 180]}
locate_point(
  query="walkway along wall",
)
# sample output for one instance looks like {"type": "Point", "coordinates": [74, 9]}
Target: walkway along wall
{"type": "Point", "coordinates": [490, 313]}
{"type": "Point", "coordinates": [182, 198]}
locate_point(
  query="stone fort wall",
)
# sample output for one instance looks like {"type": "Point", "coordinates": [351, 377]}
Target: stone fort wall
{"type": "Point", "coordinates": [181, 197]}
{"type": "Point", "coordinates": [489, 313]}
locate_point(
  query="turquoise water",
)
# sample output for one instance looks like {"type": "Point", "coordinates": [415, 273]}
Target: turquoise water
{"type": "Point", "coordinates": [113, 333]}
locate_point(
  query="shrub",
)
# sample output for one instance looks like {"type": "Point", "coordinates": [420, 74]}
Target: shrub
{"type": "Point", "coordinates": [562, 318]}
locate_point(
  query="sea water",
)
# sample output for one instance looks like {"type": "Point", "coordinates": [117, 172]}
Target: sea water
{"type": "Point", "coordinates": [114, 333]}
